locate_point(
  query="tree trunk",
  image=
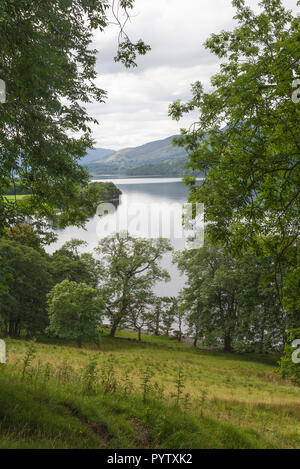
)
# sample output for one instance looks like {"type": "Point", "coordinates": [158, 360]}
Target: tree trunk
{"type": "Point", "coordinates": [113, 330]}
{"type": "Point", "coordinates": [13, 329]}
{"type": "Point", "coordinates": [79, 342]}
{"type": "Point", "coordinates": [261, 346]}
{"type": "Point", "coordinates": [17, 329]}
{"type": "Point", "coordinates": [227, 343]}
{"type": "Point", "coordinates": [10, 330]}
{"type": "Point", "coordinates": [180, 329]}
{"type": "Point", "coordinates": [195, 341]}
{"type": "Point", "coordinates": [140, 335]}
{"type": "Point", "coordinates": [157, 324]}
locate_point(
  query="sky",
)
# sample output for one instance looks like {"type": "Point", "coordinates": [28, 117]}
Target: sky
{"type": "Point", "coordinates": [136, 107]}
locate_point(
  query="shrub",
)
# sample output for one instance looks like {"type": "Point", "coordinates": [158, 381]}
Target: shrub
{"type": "Point", "coordinates": [290, 362]}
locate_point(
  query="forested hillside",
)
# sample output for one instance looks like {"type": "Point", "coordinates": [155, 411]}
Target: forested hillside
{"type": "Point", "coordinates": [159, 158]}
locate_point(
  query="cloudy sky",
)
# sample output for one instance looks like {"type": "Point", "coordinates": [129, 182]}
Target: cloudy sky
{"type": "Point", "coordinates": [136, 109]}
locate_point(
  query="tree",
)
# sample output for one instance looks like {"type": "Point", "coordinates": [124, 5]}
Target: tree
{"type": "Point", "coordinates": [49, 70]}
{"type": "Point", "coordinates": [193, 307]}
{"type": "Point", "coordinates": [67, 263]}
{"type": "Point", "coordinates": [179, 313]}
{"type": "Point", "coordinates": [168, 314]}
{"type": "Point", "coordinates": [247, 141]}
{"type": "Point", "coordinates": [233, 300]}
{"type": "Point", "coordinates": [291, 286]}
{"type": "Point", "coordinates": [23, 301]}
{"type": "Point", "coordinates": [290, 362]}
{"type": "Point", "coordinates": [263, 320]}
{"type": "Point", "coordinates": [130, 267]}
{"type": "Point", "coordinates": [213, 281]}
{"type": "Point", "coordinates": [156, 315]}
{"type": "Point", "coordinates": [247, 136]}
{"type": "Point", "coordinates": [139, 312]}
{"type": "Point", "coordinates": [24, 234]}
{"type": "Point", "coordinates": [97, 192]}
{"type": "Point", "coordinates": [75, 311]}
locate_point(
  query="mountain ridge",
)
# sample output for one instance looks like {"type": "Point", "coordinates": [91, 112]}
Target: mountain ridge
{"type": "Point", "coordinates": [157, 155]}
{"type": "Point", "coordinates": [96, 154]}
{"type": "Point", "coordinates": [156, 150]}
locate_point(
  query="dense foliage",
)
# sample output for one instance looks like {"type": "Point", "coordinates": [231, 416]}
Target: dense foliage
{"type": "Point", "coordinates": [252, 161]}
{"type": "Point", "coordinates": [130, 268]}
{"type": "Point", "coordinates": [97, 192]}
{"type": "Point", "coordinates": [22, 304]}
{"type": "Point", "coordinates": [232, 302]}
{"type": "Point", "coordinates": [68, 293]}
{"type": "Point", "coordinates": [75, 311]}
{"type": "Point", "coordinates": [247, 139]}
{"type": "Point", "coordinates": [48, 67]}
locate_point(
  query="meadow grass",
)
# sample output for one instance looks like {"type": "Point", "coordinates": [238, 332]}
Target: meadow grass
{"type": "Point", "coordinates": [12, 198]}
{"type": "Point", "coordinates": [155, 394]}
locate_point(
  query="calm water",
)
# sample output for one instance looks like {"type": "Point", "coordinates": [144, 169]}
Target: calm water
{"type": "Point", "coordinates": [148, 207]}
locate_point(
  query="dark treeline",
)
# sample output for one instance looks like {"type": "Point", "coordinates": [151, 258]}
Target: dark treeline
{"type": "Point", "coordinates": [230, 302]}
{"type": "Point", "coordinates": [66, 294]}
{"type": "Point", "coordinates": [234, 302]}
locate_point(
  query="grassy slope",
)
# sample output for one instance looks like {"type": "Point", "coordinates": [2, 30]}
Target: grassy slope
{"type": "Point", "coordinates": [236, 401]}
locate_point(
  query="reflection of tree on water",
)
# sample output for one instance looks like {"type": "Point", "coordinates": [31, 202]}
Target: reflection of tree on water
{"type": "Point", "coordinates": [98, 192]}
{"type": "Point", "coordinates": [173, 190]}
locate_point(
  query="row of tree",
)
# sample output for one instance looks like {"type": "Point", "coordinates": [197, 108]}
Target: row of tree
{"type": "Point", "coordinates": [233, 301]}
{"type": "Point", "coordinates": [228, 301]}
{"type": "Point", "coordinates": [68, 293]}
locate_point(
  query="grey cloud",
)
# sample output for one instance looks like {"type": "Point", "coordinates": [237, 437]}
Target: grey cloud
{"type": "Point", "coordinates": [136, 110]}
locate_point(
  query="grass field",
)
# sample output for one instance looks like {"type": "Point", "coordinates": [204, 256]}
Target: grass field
{"type": "Point", "coordinates": [154, 394]}
{"type": "Point", "coordinates": [12, 198]}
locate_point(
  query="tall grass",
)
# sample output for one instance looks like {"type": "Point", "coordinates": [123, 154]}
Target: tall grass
{"type": "Point", "coordinates": [156, 394]}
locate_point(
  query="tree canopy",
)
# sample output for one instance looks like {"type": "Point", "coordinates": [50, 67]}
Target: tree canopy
{"type": "Point", "coordinates": [247, 135]}
{"type": "Point", "coordinates": [246, 139]}
{"type": "Point", "coordinates": [27, 280]}
{"type": "Point", "coordinates": [130, 267]}
{"type": "Point", "coordinates": [75, 311]}
{"type": "Point", "coordinates": [48, 66]}
{"type": "Point", "coordinates": [233, 301]}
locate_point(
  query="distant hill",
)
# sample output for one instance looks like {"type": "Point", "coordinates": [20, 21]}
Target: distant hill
{"type": "Point", "coordinates": [96, 154]}
{"type": "Point", "coordinates": [157, 157]}
{"type": "Point", "coordinates": [156, 151]}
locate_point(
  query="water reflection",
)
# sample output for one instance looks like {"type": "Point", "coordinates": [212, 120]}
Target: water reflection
{"type": "Point", "coordinates": [167, 195]}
